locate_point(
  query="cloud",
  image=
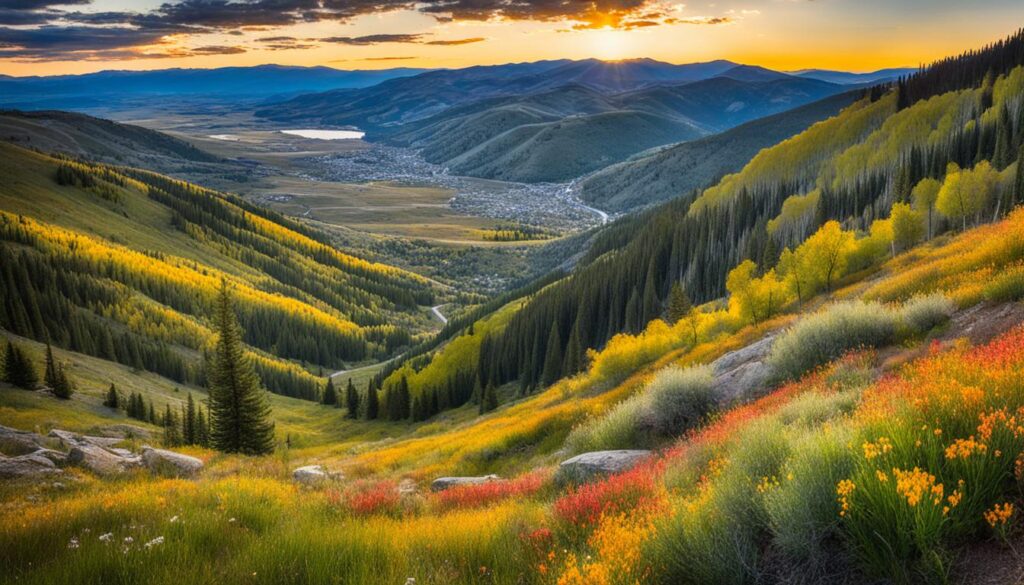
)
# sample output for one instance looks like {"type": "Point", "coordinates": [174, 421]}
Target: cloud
{"type": "Point", "coordinates": [38, 4]}
{"type": "Point", "coordinates": [216, 50]}
{"type": "Point", "coordinates": [454, 42]}
{"type": "Point", "coordinates": [387, 58]}
{"type": "Point", "coordinates": [77, 33]}
{"type": "Point", "coordinates": [374, 39]}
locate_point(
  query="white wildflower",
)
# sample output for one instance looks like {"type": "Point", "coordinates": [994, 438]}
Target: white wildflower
{"type": "Point", "coordinates": [106, 537]}
{"type": "Point", "coordinates": [128, 540]}
{"type": "Point", "coordinates": [174, 519]}
{"type": "Point", "coordinates": [73, 543]}
{"type": "Point", "coordinates": [156, 541]}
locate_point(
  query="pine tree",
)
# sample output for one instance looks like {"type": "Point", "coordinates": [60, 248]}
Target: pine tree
{"type": "Point", "coordinates": [152, 412]}
{"type": "Point", "coordinates": [189, 423]}
{"type": "Point", "coordinates": [239, 412]}
{"type": "Point", "coordinates": [351, 400]}
{"type": "Point", "coordinates": [490, 399]}
{"type": "Point", "coordinates": [202, 428]}
{"type": "Point", "coordinates": [573, 354]}
{"type": "Point", "coordinates": [55, 377]}
{"type": "Point", "coordinates": [679, 303]}
{"type": "Point", "coordinates": [18, 368]}
{"type": "Point", "coordinates": [553, 359]}
{"type": "Point", "coordinates": [372, 402]}
{"type": "Point", "coordinates": [111, 400]}
{"type": "Point", "coordinates": [330, 396]}
{"type": "Point", "coordinates": [402, 400]}
{"type": "Point", "coordinates": [170, 423]}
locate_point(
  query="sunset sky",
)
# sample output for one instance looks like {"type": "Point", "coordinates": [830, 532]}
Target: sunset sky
{"type": "Point", "coordinates": [42, 37]}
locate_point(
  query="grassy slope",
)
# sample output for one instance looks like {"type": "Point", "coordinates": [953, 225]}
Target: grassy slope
{"type": "Point", "coordinates": [245, 516]}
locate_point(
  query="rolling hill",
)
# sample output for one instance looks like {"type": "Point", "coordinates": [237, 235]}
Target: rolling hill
{"type": "Point", "coordinates": [561, 134]}
{"type": "Point", "coordinates": [664, 173]}
{"type": "Point", "coordinates": [107, 89]}
{"type": "Point", "coordinates": [145, 254]}
{"type": "Point", "coordinates": [405, 100]}
{"type": "Point", "coordinates": [79, 135]}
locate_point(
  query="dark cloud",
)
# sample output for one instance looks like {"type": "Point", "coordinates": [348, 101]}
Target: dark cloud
{"type": "Point", "coordinates": [216, 50]}
{"type": "Point", "coordinates": [453, 42]}
{"type": "Point", "coordinates": [38, 4]}
{"type": "Point", "coordinates": [78, 33]}
{"type": "Point", "coordinates": [387, 58]}
{"type": "Point", "coordinates": [275, 39]}
{"type": "Point", "coordinates": [374, 39]}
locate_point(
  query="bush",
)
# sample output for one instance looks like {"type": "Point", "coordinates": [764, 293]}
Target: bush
{"type": "Point", "coordinates": [675, 401]}
{"type": "Point", "coordinates": [803, 513]}
{"type": "Point", "coordinates": [921, 314]}
{"type": "Point", "coordinates": [825, 336]}
{"type": "Point", "coordinates": [678, 399]}
{"type": "Point", "coordinates": [620, 428]}
{"type": "Point", "coordinates": [1007, 286]}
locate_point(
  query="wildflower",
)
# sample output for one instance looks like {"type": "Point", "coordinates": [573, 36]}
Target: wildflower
{"type": "Point", "coordinates": [128, 540]}
{"type": "Point", "coordinates": [231, 520]}
{"type": "Point", "coordinates": [999, 514]}
{"type": "Point", "coordinates": [914, 484]}
{"type": "Point", "coordinates": [73, 543]}
{"type": "Point", "coordinates": [844, 488]}
{"type": "Point", "coordinates": [174, 519]}
{"type": "Point", "coordinates": [155, 542]}
{"type": "Point", "coordinates": [882, 477]}
{"type": "Point", "coordinates": [881, 447]}
{"type": "Point", "coordinates": [964, 448]}
{"type": "Point", "coordinates": [106, 537]}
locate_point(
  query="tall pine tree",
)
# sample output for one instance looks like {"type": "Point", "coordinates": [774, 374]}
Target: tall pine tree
{"type": "Point", "coordinates": [239, 411]}
{"type": "Point", "coordinates": [351, 400]}
{"type": "Point", "coordinates": [330, 396]}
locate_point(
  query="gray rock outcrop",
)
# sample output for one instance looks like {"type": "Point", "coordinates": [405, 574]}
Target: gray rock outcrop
{"type": "Point", "coordinates": [29, 465]}
{"type": "Point", "coordinates": [443, 483]}
{"type": "Point", "coordinates": [314, 475]}
{"type": "Point", "coordinates": [169, 463]}
{"type": "Point", "coordinates": [741, 374]}
{"type": "Point", "coordinates": [588, 466]}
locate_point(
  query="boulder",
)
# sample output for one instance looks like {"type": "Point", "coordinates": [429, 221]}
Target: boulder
{"type": "Point", "coordinates": [313, 475]}
{"type": "Point", "coordinates": [740, 374]}
{"type": "Point", "coordinates": [587, 466]}
{"type": "Point", "coordinates": [15, 442]}
{"type": "Point", "coordinates": [26, 466]}
{"type": "Point", "coordinates": [99, 460]}
{"type": "Point", "coordinates": [169, 463]}
{"type": "Point", "coordinates": [443, 483]}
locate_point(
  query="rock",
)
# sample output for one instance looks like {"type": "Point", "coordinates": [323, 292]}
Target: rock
{"type": "Point", "coordinates": [59, 459]}
{"type": "Point", "coordinates": [407, 487]}
{"type": "Point", "coordinates": [169, 463]}
{"type": "Point", "coordinates": [443, 483]}
{"type": "Point", "coordinates": [99, 460]}
{"type": "Point", "coordinates": [587, 466]}
{"type": "Point", "coordinates": [26, 466]}
{"type": "Point", "coordinates": [69, 439]}
{"type": "Point", "coordinates": [14, 442]}
{"type": "Point", "coordinates": [740, 374]}
{"type": "Point", "coordinates": [313, 475]}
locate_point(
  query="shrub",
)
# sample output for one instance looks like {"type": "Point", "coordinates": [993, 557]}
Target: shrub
{"type": "Point", "coordinates": [921, 314]}
{"type": "Point", "coordinates": [673, 402]}
{"type": "Point", "coordinates": [619, 429]}
{"type": "Point", "coordinates": [827, 335]}
{"type": "Point", "coordinates": [803, 514]}
{"type": "Point", "coordinates": [1007, 285]}
{"type": "Point", "coordinates": [678, 399]}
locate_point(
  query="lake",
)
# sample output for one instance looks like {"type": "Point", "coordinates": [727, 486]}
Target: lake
{"type": "Point", "coordinates": [327, 134]}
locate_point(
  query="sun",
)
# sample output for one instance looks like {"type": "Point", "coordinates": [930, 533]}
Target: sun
{"type": "Point", "coordinates": [609, 44]}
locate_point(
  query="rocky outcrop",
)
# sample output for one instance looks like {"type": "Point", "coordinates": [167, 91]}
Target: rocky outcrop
{"type": "Point", "coordinates": [443, 483]}
{"type": "Point", "coordinates": [169, 463]}
{"type": "Point", "coordinates": [15, 442]}
{"type": "Point", "coordinates": [99, 460]}
{"type": "Point", "coordinates": [314, 475]}
{"type": "Point", "coordinates": [69, 439]}
{"type": "Point", "coordinates": [740, 374]}
{"type": "Point", "coordinates": [588, 466]}
{"type": "Point", "coordinates": [29, 465]}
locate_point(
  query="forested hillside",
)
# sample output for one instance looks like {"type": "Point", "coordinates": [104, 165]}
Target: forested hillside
{"type": "Point", "coordinates": [938, 149]}
{"type": "Point", "coordinates": [124, 264]}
